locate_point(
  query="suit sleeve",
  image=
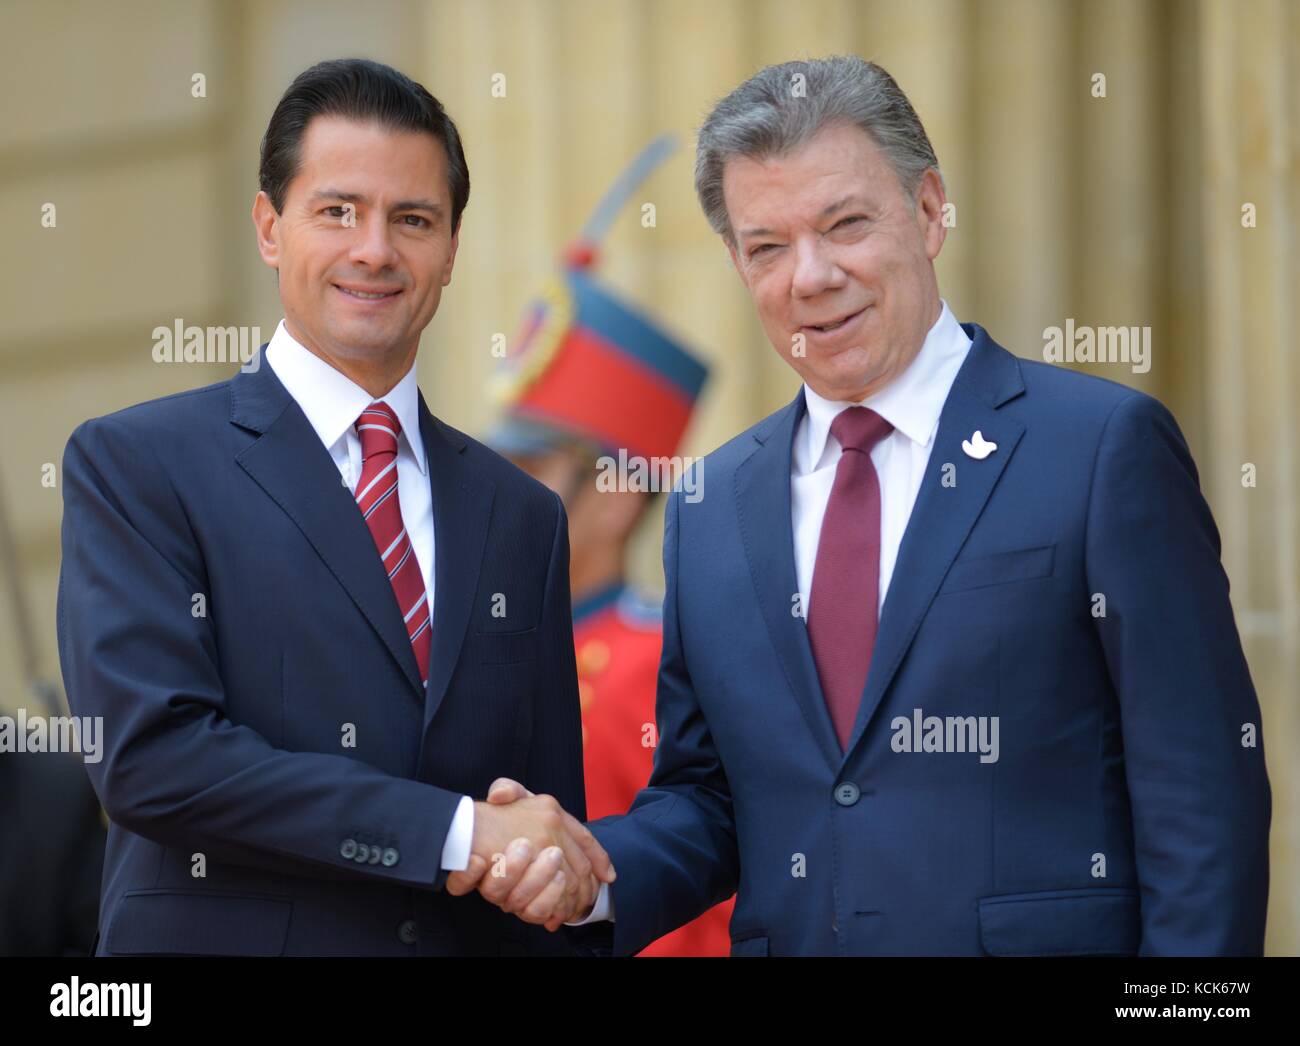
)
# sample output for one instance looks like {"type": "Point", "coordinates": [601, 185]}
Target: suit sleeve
{"type": "Point", "coordinates": [175, 769]}
{"type": "Point", "coordinates": [675, 849]}
{"type": "Point", "coordinates": [1193, 751]}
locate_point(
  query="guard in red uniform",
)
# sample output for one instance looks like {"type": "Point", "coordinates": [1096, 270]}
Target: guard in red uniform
{"type": "Point", "coordinates": [596, 385]}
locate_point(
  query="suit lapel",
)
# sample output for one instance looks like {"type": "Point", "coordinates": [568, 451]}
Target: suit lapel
{"type": "Point", "coordinates": [462, 508]}
{"type": "Point", "coordinates": [942, 517]}
{"type": "Point", "coordinates": [296, 471]}
{"type": "Point", "coordinates": [763, 506]}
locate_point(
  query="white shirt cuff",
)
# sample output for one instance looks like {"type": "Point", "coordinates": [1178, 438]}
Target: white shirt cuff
{"type": "Point", "coordinates": [601, 911]}
{"type": "Point", "coordinates": [455, 850]}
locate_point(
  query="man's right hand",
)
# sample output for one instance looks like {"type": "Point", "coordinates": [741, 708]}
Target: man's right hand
{"type": "Point", "coordinates": [516, 831]}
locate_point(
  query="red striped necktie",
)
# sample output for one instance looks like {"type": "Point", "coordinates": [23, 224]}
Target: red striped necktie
{"type": "Point", "coordinates": [376, 496]}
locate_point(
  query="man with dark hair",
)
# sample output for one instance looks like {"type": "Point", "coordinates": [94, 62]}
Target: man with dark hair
{"type": "Point", "coordinates": [315, 619]}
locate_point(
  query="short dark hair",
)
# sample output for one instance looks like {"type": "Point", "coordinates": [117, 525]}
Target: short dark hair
{"type": "Point", "coordinates": [358, 89]}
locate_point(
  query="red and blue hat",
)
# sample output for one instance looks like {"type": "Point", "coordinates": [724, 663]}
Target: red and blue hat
{"type": "Point", "coordinates": [591, 368]}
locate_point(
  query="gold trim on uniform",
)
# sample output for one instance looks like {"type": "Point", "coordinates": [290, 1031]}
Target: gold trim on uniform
{"type": "Point", "coordinates": [510, 381]}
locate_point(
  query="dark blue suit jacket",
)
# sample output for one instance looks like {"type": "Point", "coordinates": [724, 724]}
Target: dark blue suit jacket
{"type": "Point", "coordinates": [1123, 814]}
{"type": "Point", "coordinates": [225, 724]}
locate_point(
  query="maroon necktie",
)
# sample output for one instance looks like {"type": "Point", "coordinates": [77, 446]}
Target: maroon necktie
{"type": "Point", "coordinates": [377, 498]}
{"type": "Point", "coordinates": [846, 578]}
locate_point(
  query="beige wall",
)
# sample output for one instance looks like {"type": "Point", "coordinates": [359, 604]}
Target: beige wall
{"type": "Point", "coordinates": [1116, 211]}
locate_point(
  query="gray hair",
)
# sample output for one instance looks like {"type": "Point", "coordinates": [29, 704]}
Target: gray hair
{"type": "Point", "coordinates": [779, 108]}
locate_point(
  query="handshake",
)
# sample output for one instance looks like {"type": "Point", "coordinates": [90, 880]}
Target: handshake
{"type": "Point", "coordinates": [528, 856]}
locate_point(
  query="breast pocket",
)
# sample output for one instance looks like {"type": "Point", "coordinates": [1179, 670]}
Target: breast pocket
{"type": "Point", "coordinates": [505, 648]}
{"type": "Point", "coordinates": [1000, 568]}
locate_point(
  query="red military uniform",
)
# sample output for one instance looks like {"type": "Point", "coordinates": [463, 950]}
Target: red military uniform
{"type": "Point", "coordinates": [618, 635]}
{"type": "Point", "coordinates": [591, 369]}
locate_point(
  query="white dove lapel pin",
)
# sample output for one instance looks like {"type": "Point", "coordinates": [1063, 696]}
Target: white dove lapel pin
{"type": "Point", "coordinates": [978, 447]}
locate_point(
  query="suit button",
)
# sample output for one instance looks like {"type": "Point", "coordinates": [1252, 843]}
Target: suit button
{"type": "Point", "coordinates": [348, 849]}
{"type": "Point", "coordinates": [363, 853]}
{"type": "Point", "coordinates": [846, 793]}
{"type": "Point", "coordinates": [375, 853]}
{"type": "Point", "coordinates": [408, 932]}
{"type": "Point", "coordinates": [390, 857]}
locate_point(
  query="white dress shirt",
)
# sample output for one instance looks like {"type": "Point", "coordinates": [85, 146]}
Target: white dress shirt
{"type": "Point", "coordinates": [912, 403]}
{"type": "Point", "coordinates": [333, 402]}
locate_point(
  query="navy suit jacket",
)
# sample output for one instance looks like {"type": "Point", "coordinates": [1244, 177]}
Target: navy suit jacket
{"type": "Point", "coordinates": [223, 607]}
{"type": "Point", "coordinates": [1124, 813]}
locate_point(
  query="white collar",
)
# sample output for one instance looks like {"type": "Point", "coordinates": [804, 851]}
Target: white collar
{"type": "Point", "coordinates": [912, 402]}
{"type": "Point", "coordinates": [332, 401]}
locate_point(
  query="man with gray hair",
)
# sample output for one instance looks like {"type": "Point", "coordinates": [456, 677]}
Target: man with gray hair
{"type": "Point", "coordinates": [949, 663]}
